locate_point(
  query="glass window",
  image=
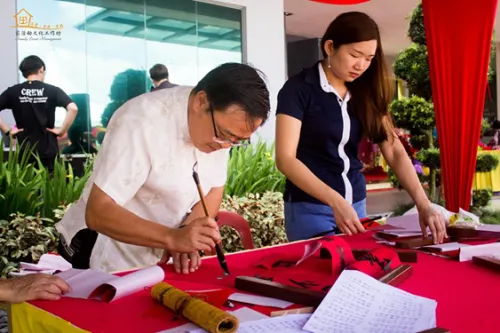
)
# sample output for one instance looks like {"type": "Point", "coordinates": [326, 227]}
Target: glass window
{"type": "Point", "coordinates": [100, 52]}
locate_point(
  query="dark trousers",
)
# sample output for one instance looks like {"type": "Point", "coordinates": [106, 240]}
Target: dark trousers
{"type": "Point", "coordinates": [78, 252]}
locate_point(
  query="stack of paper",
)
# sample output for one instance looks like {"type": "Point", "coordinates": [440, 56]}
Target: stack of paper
{"type": "Point", "coordinates": [489, 249]}
{"type": "Point", "coordinates": [360, 303]}
{"type": "Point", "coordinates": [357, 303]}
{"type": "Point", "coordinates": [48, 264]}
{"type": "Point", "coordinates": [91, 284]}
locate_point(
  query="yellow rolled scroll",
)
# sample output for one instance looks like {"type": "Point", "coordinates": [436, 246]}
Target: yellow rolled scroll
{"type": "Point", "coordinates": [207, 316]}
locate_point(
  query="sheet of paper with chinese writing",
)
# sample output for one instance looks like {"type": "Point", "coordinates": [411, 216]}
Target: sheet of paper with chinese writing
{"type": "Point", "coordinates": [284, 324]}
{"type": "Point", "coordinates": [360, 303]}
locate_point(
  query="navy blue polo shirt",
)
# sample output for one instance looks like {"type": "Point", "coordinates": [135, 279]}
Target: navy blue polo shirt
{"type": "Point", "coordinates": [329, 137]}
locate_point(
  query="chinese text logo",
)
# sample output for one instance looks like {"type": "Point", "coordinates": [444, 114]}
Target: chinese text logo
{"type": "Point", "coordinates": [28, 29]}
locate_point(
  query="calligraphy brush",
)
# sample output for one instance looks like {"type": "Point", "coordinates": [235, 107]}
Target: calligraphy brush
{"type": "Point", "coordinates": [363, 221]}
{"type": "Point", "coordinates": [220, 255]}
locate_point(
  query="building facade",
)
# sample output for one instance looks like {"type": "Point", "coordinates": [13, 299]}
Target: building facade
{"type": "Point", "coordinates": [99, 52]}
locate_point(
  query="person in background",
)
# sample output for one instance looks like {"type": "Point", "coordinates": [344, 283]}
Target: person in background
{"type": "Point", "coordinates": [159, 76]}
{"type": "Point", "coordinates": [33, 104]}
{"type": "Point", "coordinates": [494, 140]}
{"type": "Point", "coordinates": [79, 142]}
{"type": "Point", "coordinates": [141, 205]}
{"type": "Point", "coordinates": [322, 115]}
{"type": "Point", "coordinates": [31, 287]}
{"type": "Point", "coordinates": [368, 155]}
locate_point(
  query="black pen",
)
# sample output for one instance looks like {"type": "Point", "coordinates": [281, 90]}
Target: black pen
{"type": "Point", "coordinates": [220, 255]}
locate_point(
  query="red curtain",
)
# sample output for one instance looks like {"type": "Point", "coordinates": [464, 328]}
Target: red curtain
{"type": "Point", "coordinates": [459, 34]}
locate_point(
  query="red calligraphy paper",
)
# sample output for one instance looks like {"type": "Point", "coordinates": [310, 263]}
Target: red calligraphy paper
{"type": "Point", "coordinates": [334, 248]}
{"type": "Point", "coordinates": [340, 253]}
{"type": "Point", "coordinates": [217, 297]}
{"type": "Point", "coordinates": [377, 262]}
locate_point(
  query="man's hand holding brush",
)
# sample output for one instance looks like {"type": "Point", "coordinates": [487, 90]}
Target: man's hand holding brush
{"type": "Point", "coordinates": [201, 234]}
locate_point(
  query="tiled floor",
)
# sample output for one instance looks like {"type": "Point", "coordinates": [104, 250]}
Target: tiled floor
{"type": "Point", "coordinates": [378, 202]}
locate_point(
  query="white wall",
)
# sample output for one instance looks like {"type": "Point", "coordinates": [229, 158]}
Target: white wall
{"type": "Point", "coordinates": [8, 55]}
{"type": "Point", "coordinates": [265, 46]}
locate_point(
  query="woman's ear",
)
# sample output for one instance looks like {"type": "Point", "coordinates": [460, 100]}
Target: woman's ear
{"type": "Point", "coordinates": [329, 47]}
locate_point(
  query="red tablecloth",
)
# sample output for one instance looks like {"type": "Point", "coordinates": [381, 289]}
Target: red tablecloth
{"type": "Point", "coordinates": [467, 295]}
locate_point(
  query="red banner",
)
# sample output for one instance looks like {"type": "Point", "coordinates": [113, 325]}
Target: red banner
{"type": "Point", "coordinates": [459, 34]}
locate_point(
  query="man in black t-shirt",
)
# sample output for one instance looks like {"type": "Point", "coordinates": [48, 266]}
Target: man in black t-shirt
{"type": "Point", "coordinates": [33, 104]}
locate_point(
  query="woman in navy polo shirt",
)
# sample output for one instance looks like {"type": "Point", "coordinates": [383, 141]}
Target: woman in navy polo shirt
{"type": "Point", "coordinates": [322, 115]}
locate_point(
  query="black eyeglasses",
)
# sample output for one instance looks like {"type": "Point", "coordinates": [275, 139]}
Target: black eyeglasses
{"type": "Point", "coordinates": [223, 140]}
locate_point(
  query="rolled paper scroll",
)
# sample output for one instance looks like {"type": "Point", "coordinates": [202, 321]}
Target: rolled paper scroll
{"type": "Point", "coordinates": [207, 316]}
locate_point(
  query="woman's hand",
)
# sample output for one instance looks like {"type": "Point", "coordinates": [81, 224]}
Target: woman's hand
{"type": "Point", "coordinates": [435, 221]}
{"type": "Point", "coordinates": [346, 218]}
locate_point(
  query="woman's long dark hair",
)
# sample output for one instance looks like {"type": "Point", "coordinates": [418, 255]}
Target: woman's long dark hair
{"type": "Point", "coordinates": [373, 91]}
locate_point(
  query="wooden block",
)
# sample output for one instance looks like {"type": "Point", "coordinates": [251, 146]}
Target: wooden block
{"type": "Point", "coordinates": [303, 296]}
{"type": "Point", "coordinates": [456, 232]}
{"type": "Point", "coordinates": [397, 275]}
{"type": "Point", "coordinates": [280, 291]}
{"type": "Point", "coordinates": [308, 309]}
{"type": "Point", "coordinates": [413, 243]}
{"type": "Point", "coordinates": [461, 233]}
{"type": "Point", "coordinates": [407, 256]}
{"type": "Point", "coordinates": [488, 262]}
{"type": "Point", "coordinates": [404, 256]}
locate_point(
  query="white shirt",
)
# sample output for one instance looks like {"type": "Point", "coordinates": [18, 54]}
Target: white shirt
{"type": "Point", "coordinates": [145, 164]}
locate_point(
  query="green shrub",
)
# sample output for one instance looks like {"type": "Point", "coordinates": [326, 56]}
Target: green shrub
{"type": "Point", "coordinates": [414, 114]}
{"type": "Point", "coordinates": [419, 141]}
{"type": "Point", "coordinates": [485, 126]}
{"type": "Point", "coordinates": [430, 158]}
{"type": "Point", "coordinates": [28, 188]}
{"type": "Point", "coordinates": [62, 187]}
{"type": "Point", "coordinates": [481, 198]}
{"type": "Point", "coordinates": [25, 238]}
{"type": "Point", "coordinates": [416, 31]}
{"type": "Point", "coordinates": [490, 216]}
{"type": "Point", "coordinates": [265, 215]}
{"type": "Point", "coordinates": [486, 162]}
{"type": "Point", "coordinates": [252, 169]}
{"type": "Point", "coordinates": [20, 184]}
{"type": "Point", "coordinates": [412, 66]}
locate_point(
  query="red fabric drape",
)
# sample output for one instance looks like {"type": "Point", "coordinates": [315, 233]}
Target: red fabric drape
{"type": "Point", "coordinates": [459, 36]}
